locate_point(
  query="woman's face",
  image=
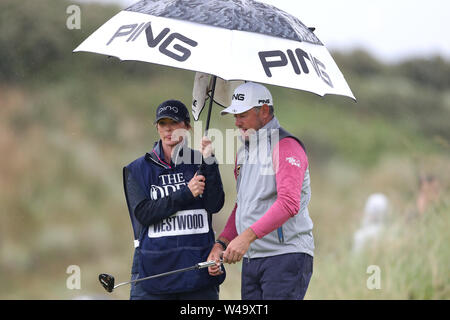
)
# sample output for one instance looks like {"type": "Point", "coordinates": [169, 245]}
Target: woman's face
{"type": "Point", "coordinates": [171, 132]}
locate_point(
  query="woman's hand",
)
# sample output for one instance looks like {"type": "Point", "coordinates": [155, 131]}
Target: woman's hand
{"type": "Point", "coordinates": [215, 254]}
{"type": "Point", "coordinates": [197, 185]}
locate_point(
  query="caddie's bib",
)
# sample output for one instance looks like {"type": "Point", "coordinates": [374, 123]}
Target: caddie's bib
{"type": "Point", "coordinates": [183, 222]}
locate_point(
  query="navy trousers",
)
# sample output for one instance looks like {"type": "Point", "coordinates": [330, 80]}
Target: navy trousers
{"type": "Point", "coordinates": [281, 277]}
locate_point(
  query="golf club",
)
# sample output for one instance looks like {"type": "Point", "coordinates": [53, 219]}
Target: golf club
{"type": "Point", "coordinates": [107, 280]}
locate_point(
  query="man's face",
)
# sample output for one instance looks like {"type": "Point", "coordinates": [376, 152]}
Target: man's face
{"type": "Point", "coordinates": [249, 122]}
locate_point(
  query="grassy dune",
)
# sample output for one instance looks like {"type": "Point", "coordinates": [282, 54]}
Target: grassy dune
{"type": "Point", "coordinates": [63, 204]}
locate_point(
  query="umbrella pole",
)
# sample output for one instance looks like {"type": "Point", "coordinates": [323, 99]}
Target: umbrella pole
{"type": "Point", "coordinates": [211, 101]}
{"type": "Point", "coordinates": [201, 169]}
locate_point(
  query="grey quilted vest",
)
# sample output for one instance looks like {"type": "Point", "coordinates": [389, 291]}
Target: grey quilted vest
{"type": "Point", "coordinates": [257, 191]}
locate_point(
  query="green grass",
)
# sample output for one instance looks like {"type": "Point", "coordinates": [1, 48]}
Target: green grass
{"type": "Point", "coordinates": [64, 144]}
{"type": "Point", "coordinates": [412, 257]}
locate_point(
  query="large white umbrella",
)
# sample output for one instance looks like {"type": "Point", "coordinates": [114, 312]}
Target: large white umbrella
{"type": "Point", "coordinates": [230, 39]}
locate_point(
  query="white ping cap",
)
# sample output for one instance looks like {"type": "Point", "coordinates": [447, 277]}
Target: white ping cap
{"type": "Point", "coordinates": [247, 96]}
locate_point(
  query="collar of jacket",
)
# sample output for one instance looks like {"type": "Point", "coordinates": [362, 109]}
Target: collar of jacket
{"type": "Point", "coordinates": [157, 154]}
{"type": "Point", "coordinates": [268, 127]}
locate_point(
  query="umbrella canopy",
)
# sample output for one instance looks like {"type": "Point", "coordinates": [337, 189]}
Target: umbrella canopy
{"type": "Point", "coordinates": [231, 39]}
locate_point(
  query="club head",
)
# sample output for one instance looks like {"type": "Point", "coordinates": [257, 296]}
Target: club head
{"type": "Point", "coordinates": [107, 281]}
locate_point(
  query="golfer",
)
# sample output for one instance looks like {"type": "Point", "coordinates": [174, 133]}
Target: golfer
{"type": "Point", "coordinates": [269, 228]}
{"type": "Point", "coordinates": [171, 208]}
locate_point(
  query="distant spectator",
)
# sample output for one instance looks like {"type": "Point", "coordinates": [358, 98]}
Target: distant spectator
{"type": "Point", "coordinates": [374, 221]}
{"type": "Point", "coordinates": [429, 188]}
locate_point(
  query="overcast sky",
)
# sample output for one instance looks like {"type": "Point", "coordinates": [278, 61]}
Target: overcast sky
{"type": "Point", "coordinates": [389, 29]}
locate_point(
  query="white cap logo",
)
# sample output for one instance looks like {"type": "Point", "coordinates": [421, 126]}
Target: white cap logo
{"type": "Point", "coordinates": [174, 109]}
{"type": "Point", "coordinates": [247, 96]}
{"type": "Point", "coordinates": [238, 96]}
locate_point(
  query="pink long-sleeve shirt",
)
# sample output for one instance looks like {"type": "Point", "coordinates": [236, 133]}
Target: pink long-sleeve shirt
{"type": "Point", "coordinates": [290, 163]}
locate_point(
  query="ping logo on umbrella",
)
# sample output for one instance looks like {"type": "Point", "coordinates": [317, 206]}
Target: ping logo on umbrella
{"type": "Point", "coordinates": [277, 58]}
{"type": "Point", "coordinates": [181, 54]}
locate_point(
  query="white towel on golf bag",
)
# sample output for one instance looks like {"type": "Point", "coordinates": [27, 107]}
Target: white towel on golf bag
{"type": "Point", "coordinates": [374, 221]}
{"type": "Point", "coordinates": [202, 91]}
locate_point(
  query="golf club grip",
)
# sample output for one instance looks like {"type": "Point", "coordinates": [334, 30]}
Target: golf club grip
{"type": "Point", "coordinates": [206, 264]}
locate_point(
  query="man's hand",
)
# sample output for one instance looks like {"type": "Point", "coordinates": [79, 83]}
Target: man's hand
{"type": "Point", "coordinates": [197, 185]}
{"type": "Point", "coordinates": [239, 246]}
{"type": "Point", "coordinates": [207, 148]}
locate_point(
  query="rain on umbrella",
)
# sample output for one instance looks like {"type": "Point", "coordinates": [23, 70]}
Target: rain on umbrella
{"type": "Point", "coordinates": [230, 39]}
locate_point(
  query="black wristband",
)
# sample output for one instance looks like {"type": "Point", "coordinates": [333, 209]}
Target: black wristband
{"type": "Point", "coordinates": [224, 246]}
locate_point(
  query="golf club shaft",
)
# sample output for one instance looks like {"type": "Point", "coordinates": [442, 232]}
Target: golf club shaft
{"type": "Point", "coordinates": [200, 265]}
